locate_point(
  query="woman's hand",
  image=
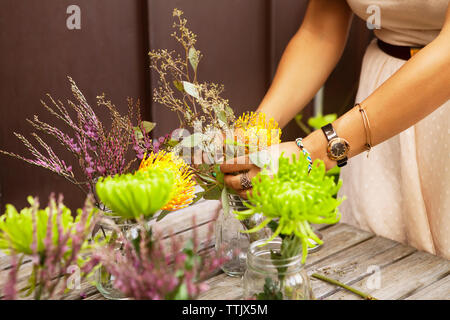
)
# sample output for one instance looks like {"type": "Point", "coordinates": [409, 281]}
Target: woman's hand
{"type": "Point", "coordinates": [234, 168]}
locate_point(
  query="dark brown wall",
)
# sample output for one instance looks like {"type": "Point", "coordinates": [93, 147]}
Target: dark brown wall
{"type": "Point", "coordinates": [242, 42]}
{"type": "Point", "coordinates": [38, 52]}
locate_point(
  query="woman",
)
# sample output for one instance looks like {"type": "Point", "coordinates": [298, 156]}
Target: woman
{"type": "Point", "coordinates": [402, 189]}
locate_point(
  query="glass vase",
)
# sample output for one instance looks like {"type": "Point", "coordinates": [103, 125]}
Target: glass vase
{"type": "Point", "coordinates": [229, 237]}
{"type": "Point", "coordinates": [267, 278]}
{"type": "Point", "coordinates": [104, 280]}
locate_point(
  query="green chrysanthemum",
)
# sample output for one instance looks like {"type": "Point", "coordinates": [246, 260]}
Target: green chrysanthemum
{"type": "Point", "coordinates": [16, 228]}
{"type": "Point", "coordinates": [135, 195]}
{"type": "Point", "coordinates": [294, 198]}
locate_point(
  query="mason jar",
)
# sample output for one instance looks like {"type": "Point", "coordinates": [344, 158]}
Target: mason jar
{"type": "Point", "coordinates": [267, 278]}
{"type": "Point", "coordinates": [104, 280]}
{"type": "Point", "coordinates": [230, 239]}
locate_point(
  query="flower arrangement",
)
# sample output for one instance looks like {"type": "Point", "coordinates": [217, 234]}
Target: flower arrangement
{"type": "Point", "coordinates": [52, 238]}
{"type": "Point", "coordinates": [199, 106]}
{"type": "Point", "coordinates": [99, 152]}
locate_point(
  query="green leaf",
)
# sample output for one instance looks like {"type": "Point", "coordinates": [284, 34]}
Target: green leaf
{"type": "Point", "coordinates": [198, 196]}
{"type": "Point", "coordinates": [271, 291]}
{"type": "Point", "coordinates": [148, 126]}
{"type": "Point", "coordinates": [163, 214]}
{"type": "Point", "coordinates": [172, 143]}
{"type": "Point", "coordinates": [222, 117]}
{"type": "Point", "coordinates": [138, 133]}
{"type": "Point", "coordinates": [320, 121]}
{"type": "Point", "coordinates": [182, 292]}
{"type": "Point", "coordinates": [178, 85]}
{"type": "Point", "coordinates": [192, 141]}
{"type": "Point", "coordinates": [219, 174]}
{"type": "Point", "coordinates": [206, 178]}
{"type": "Point", "coordinates": [191, 89]}
{"type": "Point", "coordinates": [213, 194]}
{"type": "Point", "coordinates": [194, 57]}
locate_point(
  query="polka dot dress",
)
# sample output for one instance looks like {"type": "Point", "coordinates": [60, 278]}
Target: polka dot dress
{"type": "Point", "coordinates": [402, 191]}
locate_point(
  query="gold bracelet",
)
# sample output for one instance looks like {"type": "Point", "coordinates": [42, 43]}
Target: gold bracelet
{"type": "Point", "coordinates": [366, 122]}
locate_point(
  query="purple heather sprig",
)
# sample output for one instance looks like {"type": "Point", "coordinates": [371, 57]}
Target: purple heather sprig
{"type": "Point", "coordinates": [144, 144]}
{"type": "Point", "coordinates": [150, 267]}
{"type": "Point", "coordinates": [99, 152]}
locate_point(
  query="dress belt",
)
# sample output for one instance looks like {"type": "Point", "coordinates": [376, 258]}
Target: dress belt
{"type": "Point", "coordinates": [400, 52]}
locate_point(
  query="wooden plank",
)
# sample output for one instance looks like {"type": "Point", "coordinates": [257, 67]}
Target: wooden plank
{"type": "Point", "coordinates": [223, 287]}
{"type": "Point", "coordinates": [403, 277]}
{"type": "Point", "coordinates": [439, 290]}
{"type": "Point", "coordinates": [182, 220]}
{"type": "Point", "coordinates": [337, 239]}
{"type": "Point", "coordinates": [354, 264]}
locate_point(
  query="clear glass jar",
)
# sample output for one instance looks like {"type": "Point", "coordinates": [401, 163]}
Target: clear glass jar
{"type": "Point", "coordinates": [274, 279]}
{"type": "Point", "coordinates": [104, 281]}
{"type": "Point", "coordinates": [229, 237]}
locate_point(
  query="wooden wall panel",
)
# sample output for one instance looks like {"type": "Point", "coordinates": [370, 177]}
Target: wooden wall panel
{"type": "Point", "coordinates": [37, 52]}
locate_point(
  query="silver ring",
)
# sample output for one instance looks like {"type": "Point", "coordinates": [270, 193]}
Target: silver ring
{"type": "Point", "coordinates": [245, 181]}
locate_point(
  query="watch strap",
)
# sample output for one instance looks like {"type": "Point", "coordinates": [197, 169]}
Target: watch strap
{"type": "Point", "coordinates": [342, 162]}
{"type": "Point", "coordinates": [329, 132]}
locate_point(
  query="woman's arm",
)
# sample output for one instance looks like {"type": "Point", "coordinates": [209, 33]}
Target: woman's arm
{"type": "Point", "coordinates": [308, 59]}
{"type": "Point", "coordinates": [419, 87]}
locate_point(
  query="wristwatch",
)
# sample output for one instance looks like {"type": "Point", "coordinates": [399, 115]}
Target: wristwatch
{"type": "Point", "coordinates": [337, 148]}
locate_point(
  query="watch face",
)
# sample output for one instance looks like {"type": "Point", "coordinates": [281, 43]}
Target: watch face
{"type": "Point", "coordinates": [338, 149]}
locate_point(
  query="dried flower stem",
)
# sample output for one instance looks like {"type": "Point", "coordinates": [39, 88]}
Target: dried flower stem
{"type": "Point", "coordinates": [340, 284]}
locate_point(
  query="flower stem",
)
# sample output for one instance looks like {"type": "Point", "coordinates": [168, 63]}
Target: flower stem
{"type": "Point", "coordinates": [340, 284]}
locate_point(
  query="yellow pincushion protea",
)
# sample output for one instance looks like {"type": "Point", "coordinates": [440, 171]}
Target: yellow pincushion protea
{"type": "Point", "coordinates": [183, 193]}
{"type": "Point", "coordinates": [255, 131]}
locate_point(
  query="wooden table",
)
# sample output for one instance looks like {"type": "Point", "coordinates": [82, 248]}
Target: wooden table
{"type": "Point", "coordinates": [349, 255]}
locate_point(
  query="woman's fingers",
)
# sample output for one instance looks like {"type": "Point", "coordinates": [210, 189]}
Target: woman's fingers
{"type": "Point", "coordinates": [243, 193]}
{"type": "Point", "coordinates": [233, 182]}
{"type": "Point", "coordinates": [236, 164]}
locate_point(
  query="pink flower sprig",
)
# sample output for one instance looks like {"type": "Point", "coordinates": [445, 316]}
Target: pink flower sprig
{"type": "Point", "coordinates": [150, 268]}
{"type": "Point", "coordinates": [97, 151]}
{"type": "Point", "coordinates": [50, 267]}
{"type": "Point", "coordinates": [144, 144]}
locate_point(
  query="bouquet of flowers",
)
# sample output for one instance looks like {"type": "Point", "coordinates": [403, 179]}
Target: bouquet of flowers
{"type": "Point", "coordinates": [217, 134]}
